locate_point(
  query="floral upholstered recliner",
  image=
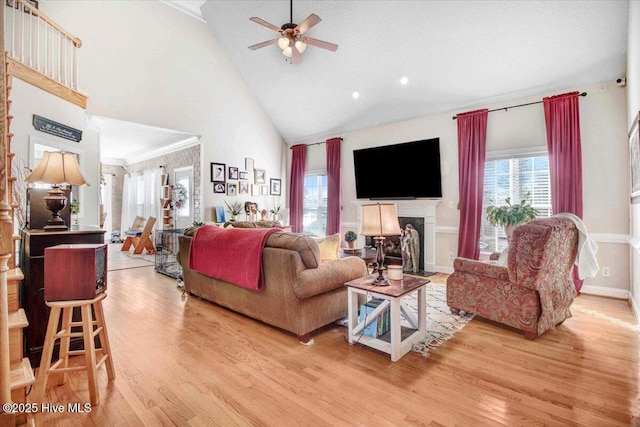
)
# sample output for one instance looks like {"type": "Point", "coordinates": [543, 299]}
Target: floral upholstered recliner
{"type": "Point", "coordinates": [534, 291]}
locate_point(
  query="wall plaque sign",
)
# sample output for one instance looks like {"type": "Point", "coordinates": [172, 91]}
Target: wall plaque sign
{"type": "Point", "coordinates": [56, 129]}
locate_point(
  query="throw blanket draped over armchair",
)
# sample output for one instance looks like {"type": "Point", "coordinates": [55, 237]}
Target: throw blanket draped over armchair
{"type": "Point", "coordinates": [230, 254]}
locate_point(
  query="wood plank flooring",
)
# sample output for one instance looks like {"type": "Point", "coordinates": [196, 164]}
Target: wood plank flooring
{"type": "Point", "coordinates": [186, 362]}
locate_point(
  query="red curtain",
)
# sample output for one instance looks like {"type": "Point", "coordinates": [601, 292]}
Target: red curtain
{"type": "Point", "coordinates": [333, 186]}
{"type": "Point", "coordinates": [562, 117]}
{"type": "Point", "coordinates": [296, 192]}
{"type": "Point", "coordinates": [472, 138]}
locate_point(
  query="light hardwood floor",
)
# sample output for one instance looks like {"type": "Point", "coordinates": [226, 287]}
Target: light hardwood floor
{"type": "Point", "coordinates": [188, 362]}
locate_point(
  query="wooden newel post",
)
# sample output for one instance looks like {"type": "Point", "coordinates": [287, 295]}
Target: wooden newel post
{"type": "Point", "coordinates": [6, 241]}
{"type": "Point", "coordinates": [6, 232]}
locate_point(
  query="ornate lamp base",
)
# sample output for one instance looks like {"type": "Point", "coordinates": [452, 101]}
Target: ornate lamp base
{"type": "Point", "coordinates": [55, 201]}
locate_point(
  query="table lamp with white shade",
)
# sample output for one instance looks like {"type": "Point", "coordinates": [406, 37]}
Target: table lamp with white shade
{"type": "Point", "coordinates": [379, 220]}
{"type": "Point", "coordinates": [57, 168]}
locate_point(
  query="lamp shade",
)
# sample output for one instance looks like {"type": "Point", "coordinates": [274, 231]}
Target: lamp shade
{"type": "Point", "coordinates": [57, 168]}
{"type": "Point", "coordinates": [379, 220]}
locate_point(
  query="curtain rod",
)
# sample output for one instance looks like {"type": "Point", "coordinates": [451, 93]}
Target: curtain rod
{"type": "Point", "coordinates": [521, 105]}
{"type": "Point", "coordinates": [315, 143]}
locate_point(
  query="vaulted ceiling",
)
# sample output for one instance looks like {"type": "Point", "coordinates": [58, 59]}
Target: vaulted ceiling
{"type": "Point", "coordinates": [455, 55]}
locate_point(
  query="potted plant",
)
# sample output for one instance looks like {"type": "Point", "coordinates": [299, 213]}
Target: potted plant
{"type": "Point", "coordinates": [510, 215]}
{"type": "Point", "coordinates": [275, 212]}
{"type": "Point", "coordinates": [350, 237]}
{"type": "Point", "coordinates": [74, 209]}
{"type": "Point", "coordinates": [234, 209]}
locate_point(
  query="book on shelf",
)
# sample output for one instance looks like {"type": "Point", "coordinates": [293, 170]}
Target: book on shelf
{"type": "Point", "coordinates": [378, 326]}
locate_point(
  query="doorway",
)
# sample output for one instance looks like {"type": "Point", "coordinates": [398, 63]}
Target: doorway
{"type": "Point", "coordinates": [183, 179]}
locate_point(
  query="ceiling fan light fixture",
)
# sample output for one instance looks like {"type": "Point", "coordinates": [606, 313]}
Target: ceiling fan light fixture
{"type": "Point", "coordinates": [283, 42]}
{"type": "Point", "coordinates": [301, 46]}
{"type": "Point", "coordinates": [287, 52]}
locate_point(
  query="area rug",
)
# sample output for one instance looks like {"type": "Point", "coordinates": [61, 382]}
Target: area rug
{"type": "Point", "coordinates": [441, 323]}
{"type": "Point", "coordinates": [122, 260]}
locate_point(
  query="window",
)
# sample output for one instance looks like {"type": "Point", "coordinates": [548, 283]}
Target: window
{"type": "Point", "coordinates": [314, 221]}
{"type": "Point", "coordinates": [140, 195]}
{"type": "Point", "coordinates": [513, 176]}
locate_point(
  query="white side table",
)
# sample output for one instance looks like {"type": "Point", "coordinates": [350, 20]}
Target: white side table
{"type": "Point", "coordinates": [399, 340]}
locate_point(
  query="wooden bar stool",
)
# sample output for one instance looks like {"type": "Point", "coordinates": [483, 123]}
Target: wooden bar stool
{"type": "Point", "coordinates": [65, 334]}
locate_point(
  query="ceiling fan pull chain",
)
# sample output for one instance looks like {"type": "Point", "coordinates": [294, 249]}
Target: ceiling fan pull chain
{"type": "Point", "coordinates": [291, 11]}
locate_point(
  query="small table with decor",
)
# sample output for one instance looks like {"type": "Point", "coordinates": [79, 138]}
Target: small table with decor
{"type": "Point", "coordinates": [398, 340]}
{"type": "Point", "coordinates": [368, 255]}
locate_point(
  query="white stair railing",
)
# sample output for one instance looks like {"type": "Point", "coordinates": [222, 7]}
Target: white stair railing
{"type": "Point", "coordinates": [36, 41]}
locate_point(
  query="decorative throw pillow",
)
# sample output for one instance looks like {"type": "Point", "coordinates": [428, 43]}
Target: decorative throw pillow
{"type": "Point", "coordinates": [329, 247]}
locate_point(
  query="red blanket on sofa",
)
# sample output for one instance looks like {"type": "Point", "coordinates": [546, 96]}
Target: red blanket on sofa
{"type": "Point", "coordinates": [230, 254]}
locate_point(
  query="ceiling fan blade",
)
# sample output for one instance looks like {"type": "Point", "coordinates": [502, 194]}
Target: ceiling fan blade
{"type": "Point", "coordinates": [308, 22]}
{"type": "Point", "coordinates": [265, 23]}
{"type": "Point", "coordinates": [263, 44]}
{"type": "Point", "coordinates": [295, 55]}
{"type": "Point", "coordinates": [320, 43]}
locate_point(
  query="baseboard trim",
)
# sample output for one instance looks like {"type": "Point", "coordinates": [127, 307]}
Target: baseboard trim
{"type": "Point", "coordinates": [446, 270]}
{"type": "Point", "coordinates": [603, 291]}
{"type": "Point", "coordinates": [635, 308]}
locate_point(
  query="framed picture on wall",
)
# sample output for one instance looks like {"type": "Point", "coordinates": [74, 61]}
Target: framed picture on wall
{"type": "Point", "coordinates": [232, 189]}
{"type": "Point", "coordinates": [248, 164]}
{"type": "Point", "coordinates": [264, 190]}
{"type": "Point", "coordinates": [243, 175]}
{"type": "Point", "coordinates": [274, 185]}
{"type": "Point", "coordinates": [260, 176]}
{"type": "Point", "coordinates": [219, 187]}
{"type": "Point", "coordinates": [255, 189]}
{"type": "Point", "coordinates": [217, 172]}
{"type": "Point", "coordinates": [233, 173]}
{"type": "Point", "coordinates": [634, 160]}
{"type": "Point", "coordinates": [243, 187]}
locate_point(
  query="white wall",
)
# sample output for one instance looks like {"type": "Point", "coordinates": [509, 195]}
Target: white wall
{"type": "Point", "coordinates": [146, 62]}
{"type": "Point", "coordinates": [603, 131]}
{"type": "Point", "coordinates": [27, 100]}
{"type": "Point", "coordinates": [633, 85]}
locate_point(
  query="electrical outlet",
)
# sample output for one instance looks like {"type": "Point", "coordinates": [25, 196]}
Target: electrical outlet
{"type": "Point", "coordinates": [451, 257]}
{"type": "Point", "coordinates": [605, 271]}
{"type": "Point", "coordinates": [450, 205]}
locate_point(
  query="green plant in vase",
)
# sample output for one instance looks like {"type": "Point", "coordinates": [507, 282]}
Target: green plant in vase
{"type": "Point", "coordinates": [511, 215]}
{"type": "Point", "coordinates": [275, 212]}
{"type": "Point", "coordinates": [350, 237]}
{"type": "Point", "coordinates": [74, 208]}
{"type": "Point", "coordinates": [234, 209]}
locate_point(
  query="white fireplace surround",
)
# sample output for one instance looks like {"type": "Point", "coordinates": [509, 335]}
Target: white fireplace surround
{"type": "Point", "coordinates": [419, 208]}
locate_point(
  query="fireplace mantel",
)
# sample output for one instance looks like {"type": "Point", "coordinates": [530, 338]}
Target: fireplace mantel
{"type": "Point", "coordinates": [423, 208]}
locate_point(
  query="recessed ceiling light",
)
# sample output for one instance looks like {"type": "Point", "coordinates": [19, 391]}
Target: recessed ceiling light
{"type": "Point", "coordinates": [355, 94]}
{"type": "Point", "coordinates": [404, 80]}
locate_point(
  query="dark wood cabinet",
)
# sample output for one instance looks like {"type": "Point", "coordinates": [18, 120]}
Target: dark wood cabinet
{"type": "Point", "coordinates": [34, 243]}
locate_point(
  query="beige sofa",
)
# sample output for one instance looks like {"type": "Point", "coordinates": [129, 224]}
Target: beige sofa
{"type": "Point", "coordinates": [300, 294]}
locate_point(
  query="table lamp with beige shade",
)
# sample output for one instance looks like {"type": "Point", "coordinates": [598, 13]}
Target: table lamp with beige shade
{"type": "Point", "coordinates": [379, 220]}
{"type": "Point", "coordinates": [57, 168]}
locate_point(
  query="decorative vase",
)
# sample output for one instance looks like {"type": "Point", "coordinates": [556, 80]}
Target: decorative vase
{"type": "Point", "coordinates": [263, 216]}
{"type": "Point", "coordinates": [233, 218]}
{"type": "Point", "coordinates": [351, 245]}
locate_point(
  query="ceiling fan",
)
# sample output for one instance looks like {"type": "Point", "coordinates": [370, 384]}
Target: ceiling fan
{"type": "Point", "coordinates": [292, 40]}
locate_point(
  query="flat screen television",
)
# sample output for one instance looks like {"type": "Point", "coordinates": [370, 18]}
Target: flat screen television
{"type": "Point", "coordinates": [408, 170]}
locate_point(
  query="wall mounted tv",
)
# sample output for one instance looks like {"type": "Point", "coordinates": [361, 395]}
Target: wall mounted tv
{"type": "Point", "coordinates": [408, 170]}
